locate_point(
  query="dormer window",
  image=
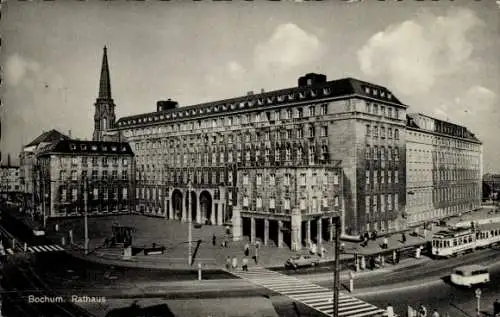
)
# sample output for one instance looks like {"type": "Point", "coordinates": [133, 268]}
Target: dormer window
{"type": "Point", "coordinates": [260, 101]}
{"type": "Point", "coordinates": [186, 113]}
{"type": "Point", "coordinates": [242, 104]}
{"type": "Point", "coordinates": [216, 109]}
{"type": "Point", "coordinates": [313, 93]}
{"type": "Point", "coordinates": [180, 114]}
{"type": "Point", "coordinates": [281, 98]}
{"type": "Point", "coordinates": [367, 90]}
{"type": "Point", "coordinates": [382, 94]}
{"type": "Point", "coordinates": [327, 91]}
{"type": "Point", "coordinates": [389, 96]}
{"type": "Point", "coordinates": [201, 111]}
{"type": "Point", "coordinates": [150, 119]}
{"type": "Point", "coordinates": [224, 107]}
{"type": "Point", "coordinates": [83, 147]}
{"type": "Point", "coordinates": [94, 147]}
{"type": "Point", "coordinates": [135, 122]}
{"type": "Point", "coordinates": [291, 96]}
{"type": "Point", "coordinates": [104, 148]}
{"type": "Point", "coordinates": [72, 146]}
{"type": "Point", "coordinates": [162, 117]}
{"type": "Point", "coordinates": [168, 116]}
{"type": "Point", "coordinates": [124, 148]}
{"type": "Point", "coordinates": [302, 95]}
{"type": "Point", "coordinates": [375, 92]}
{"type": "Point", "coordinates": [113, 148]}
{"type": "Point", "coordinates": [174, 115]}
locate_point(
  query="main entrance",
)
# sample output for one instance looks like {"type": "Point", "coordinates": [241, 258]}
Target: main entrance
{"type": "Point", "coordinates": [177, 203]}
{"type": "Point", "coordinates": [206, 206]}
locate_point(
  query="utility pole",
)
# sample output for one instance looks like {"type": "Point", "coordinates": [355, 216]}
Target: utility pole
{"type": "Point", "coordinates": [190, 233]}
{"type": "Point", "coordinates": [85, 222]}
{"type": "Point", "coordinates": [478, 297]}
{"type": "Point", "coordinates": [336, 271]}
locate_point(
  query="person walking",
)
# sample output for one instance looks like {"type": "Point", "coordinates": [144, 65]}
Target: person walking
{"type": "Point", "coordinates": [323, 251]}
{"type": "Point", "coordinates": [403, 237]}
{"type": "Point", "coordinates": [422, 311]}
{"type": "Point", "coordinates": [256, 257]}
{"type": "Point", "coordinates": [385, 244]}
{"type": "Point", "coordinates": [228, 263]}
{"type": "Point", "coordinates": [214, 240]}
{"type": "Point", "coordinates": [247, 249]}
{"type": "Point", "coordinates": [244, 265]}
{"type": "Point", "coordinates": [235, 263]}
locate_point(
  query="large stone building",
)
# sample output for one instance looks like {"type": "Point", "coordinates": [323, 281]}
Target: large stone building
{"type": "Point", "coordinates": [27, 161]}
{"type": "Point", "coordinates": [444, 168]}
{"type": "Point", "coordinates": [202, 150]}
{"type": "Point", "coordinates": [491, 186]}
{"type": "Point", "coordinates": [66, 167]}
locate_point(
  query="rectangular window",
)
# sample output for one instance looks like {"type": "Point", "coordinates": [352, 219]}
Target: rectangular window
{"type": "Point", "coordinates": [396, 202]}
{"type": "Point", "coordinates": [368, 130]}
{"type": "Point", "coordinates": [286, 180]}
{"type": "Point", "coordinates": [396, 177]}
{"type": "Point", "coordinates": [312, 111]}
{"type": "Point", "coordinates": [245, 201]}
{"type": "Point", "coordinates": [74, 175]}
{"type": "Point", "coordinates": [367, 177]}
{"type": "Point", "coordinates": [74, 194]}
{"type": "Point", "coordinates": [389, 202]}
{"type": "Point", "coordinates": [272, 203]}
{"type": "Point", "coordinates": [314, 204]}
{"type": "Point", "coordinates": [382, 132]}
{"type": "Point", "coordinates": [336, 179]}
{"type": "Point", "coordinates": [389, 133]}
{"type": "Point", "coordinates": [259, 202]}
{"type": "Point", "coordinates": [375, 131]}
{"type": "Point", "coordinates": [302, 180]}
{"type": "Point", "coordinates": [389, 177]}
{"type": "Point", "coordinates": [382, 177]}
{"type": "Point", "coordinates": [324, 109]}
{"type": "Point", "coordinates": [259, 179]}
{"type": "Point", "coordinates": [287, 204]}
{"type": "Point", "coordinates": [221, 177]}
{"type": "Point", "coordinates": [324, 131]}
{"type": "Point", "coordinates": [367, 205]}
{"type": "Point", "coordinates": [230, 178]}
{"type": "Point", "coordinates": [336, 201]}
{"type": "Point", "coordinates": [324, 202]}
{"type": "Point", "coordinates": [312, 132]}
{"type": "Point", "coordinates": [272, 179]}
{"type": "Point", "coordinates": [245, 179]}
{"type": "Point", "coordinates": [314, 180]}
{"type": "Point", "coordinates": [325, 179]}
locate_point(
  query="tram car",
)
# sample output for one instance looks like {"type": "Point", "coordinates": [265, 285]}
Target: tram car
{"type": "Point", "coordinates": [460, 240]}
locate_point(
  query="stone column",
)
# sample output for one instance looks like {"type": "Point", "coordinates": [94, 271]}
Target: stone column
{"type": "Point", "coordinates": [296, 229]}
{"type": "Point", "coordinates": [266, 231]}
{"type": "Point", "coordinates": [332, 230]}
{"type": "Point", "coordinates": [252, 230]}
{"type": "Point", "coordinates": [280, 234]}
{"type": "Point", "coordinates": [220, 213]}
{"type": "Point", "coordinates": [319, 234]}
{"type": "Point", "coordinates": [308, 233]}
{"type": "Point", "coordinates": [236, 220]}
{"type": "Point", "coordinates": [170, 209]}
{"type": "Point", "coordinates": [212, 215]}
{"type": "Point", "coordinates": [183, 206]}
{"type": "Point", "coordinates": [198, 208]}
{"type": "Point", "coordinates": [189, 214]}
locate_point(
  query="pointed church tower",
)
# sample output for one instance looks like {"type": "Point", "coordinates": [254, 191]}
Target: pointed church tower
{"type": "Point", "coordinates": [104, 116]}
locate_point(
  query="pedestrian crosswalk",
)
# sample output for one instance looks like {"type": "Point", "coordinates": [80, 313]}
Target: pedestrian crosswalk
{"type": "Point", "coordinates": [312, 295]}
{"type": "Point", "coordinates": [45, 248]}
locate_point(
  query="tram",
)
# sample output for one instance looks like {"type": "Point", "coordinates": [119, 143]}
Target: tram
{"type": "Point", "coordinates": [455, 241]}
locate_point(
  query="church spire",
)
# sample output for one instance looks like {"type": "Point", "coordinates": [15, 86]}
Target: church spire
{"type": "Point", "coordinates": [105, 82]}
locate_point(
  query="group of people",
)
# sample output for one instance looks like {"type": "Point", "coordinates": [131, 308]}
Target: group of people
{"type": "Point", "coordinates": [232, 263]}
{"type": "Point", "coordinates": [313, 249]}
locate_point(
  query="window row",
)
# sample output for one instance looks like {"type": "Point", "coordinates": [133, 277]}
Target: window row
{"type": "Point", "coordinates": [271, 180]}
{"type": "Point", "coordinates": [73, 194]}
{"type": "Point", "coordinates": [387, 202]}
{"type": "Point", "coordinates": [374, 131]}
{"type": "Point", "coordinates": [382, 110]}
{"type": "Point", "coordinates": [271, 203]}
{"type": "Point", "coordinates": [379, 177]}
{"type": "Point", "coordinates": [381, 152]}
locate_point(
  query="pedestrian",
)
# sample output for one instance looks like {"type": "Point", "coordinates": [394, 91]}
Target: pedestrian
{"type": "Point", "coordinates": [247, 249]}
{"type": "Point", "coordinates": [257, 252]}
{"type": "Point", "coordinates": [390, 311]}
{"type": "Point", "coordinates": [342, 247]}
{"type": "Point", "coordinates": [385, 244]}
{"type": "Point", "coordinates": [422, 311]}
{"type": "Point", "coordinates": [214, 240]}
{"type": "Point", "coordinates": [323, 251]}
{"type": "Point", "coordinates": [235, 262]}
{"type": "Point", "coordinates": [435, 313]}
{"type": "Point", "coordinates": [244, 265]}
{"type": "Point", "coordinates": [403, 237]}
{"type": "Point", "coordinates": [228, 263]}
{"type": "Point", "coordinates": [397, 257]}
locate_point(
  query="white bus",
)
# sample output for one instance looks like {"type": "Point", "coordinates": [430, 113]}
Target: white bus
{"type": "Point", "coordinates": [454, 241]}
{"type": "Point", "coordinates": [469, 275]}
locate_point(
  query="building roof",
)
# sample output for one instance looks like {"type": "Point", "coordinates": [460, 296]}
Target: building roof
{"type": "Point", "coordinates": [346, 87]}
{"type": "Point", "coordinates": [465, 133]}
{"type": "Point", "coordinates": [48, 137]}
{"type": "Point", "coordinates": [87, 148]}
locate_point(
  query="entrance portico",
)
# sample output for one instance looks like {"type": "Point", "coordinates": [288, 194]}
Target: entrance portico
{"type": "Point", "coordinates": [206, 205]}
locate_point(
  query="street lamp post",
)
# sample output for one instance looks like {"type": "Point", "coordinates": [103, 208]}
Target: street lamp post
{"type": "Point", "coordinates": [478, 297]}
{"type": "Point", "coordinates": [336, 271]}
{"type": "Point", "coordinates": [190, 233]}
{"type": "Point", "coordinates": [85, 220]}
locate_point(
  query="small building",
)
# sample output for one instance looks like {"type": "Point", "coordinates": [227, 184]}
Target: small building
{"type": "Point", "coordinates": [292, 205]}
{"type": "Point", "coordinates": [68, 169]}
{"type": "Point", "coordinates": [9, 179]}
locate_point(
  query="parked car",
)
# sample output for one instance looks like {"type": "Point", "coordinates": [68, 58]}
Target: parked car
{"type": "Point", "coordinates": [301, 261]}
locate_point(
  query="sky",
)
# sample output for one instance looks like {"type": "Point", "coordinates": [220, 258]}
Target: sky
{"type": "Point", "coordinates": [440, 58]}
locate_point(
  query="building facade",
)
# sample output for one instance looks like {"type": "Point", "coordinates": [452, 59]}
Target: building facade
{"type": "Point", "coordinates": [27, 161]}
{"type": "Point", "coordinates": [491, 186]}
{"type": "Point", "coordinates": [444, 168]}
{"type": "Point", "coordinates": [292, 205]}
{"type": "Point", "coordinates": [69, 168]}
{"type": "Point", "coordinates": [10, 181]}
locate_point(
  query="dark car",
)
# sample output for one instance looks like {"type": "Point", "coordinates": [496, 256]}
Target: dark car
{"type": "Point", "coordinates": [301, 261]}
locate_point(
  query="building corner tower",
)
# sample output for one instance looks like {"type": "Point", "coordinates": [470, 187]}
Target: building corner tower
{"type": "Point", "coordinates": [104, 115]}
